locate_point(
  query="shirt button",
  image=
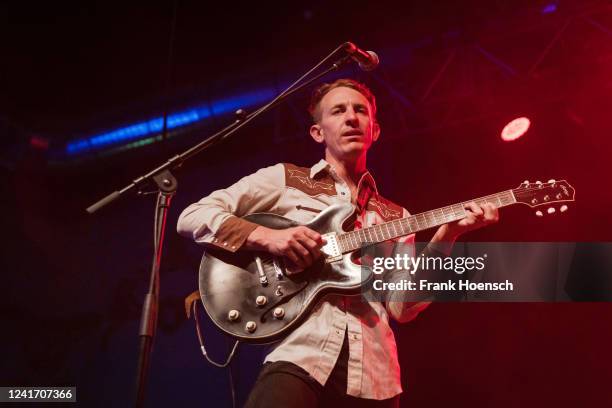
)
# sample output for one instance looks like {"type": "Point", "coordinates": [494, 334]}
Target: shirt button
{"type": "Point", "coordinates": [338, 332]}
{"type": "Point", "coordinates": [355, 336]}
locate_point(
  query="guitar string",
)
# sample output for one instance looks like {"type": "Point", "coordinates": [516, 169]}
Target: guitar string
{"type": "Point", "coordinates": [427, 215]}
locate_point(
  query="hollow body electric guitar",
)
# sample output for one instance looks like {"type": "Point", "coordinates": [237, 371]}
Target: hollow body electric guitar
{"type": "Point", "coordinates": [249, 295]}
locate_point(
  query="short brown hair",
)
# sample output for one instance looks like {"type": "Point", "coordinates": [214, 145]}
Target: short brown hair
{"type": "Point", "coordinates": [324, 89]}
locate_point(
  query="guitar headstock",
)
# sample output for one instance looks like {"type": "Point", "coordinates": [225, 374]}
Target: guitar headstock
{"type": "Point", "coordinates": [540, 194]}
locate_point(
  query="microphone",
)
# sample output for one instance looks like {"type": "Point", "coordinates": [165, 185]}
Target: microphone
{"type": "Point", "coordinates": [367, 60]}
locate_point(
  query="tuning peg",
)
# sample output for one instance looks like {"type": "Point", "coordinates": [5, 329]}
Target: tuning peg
{"type": "Point", "coordinates": [539, 183]}
{"type": "Point", "coordinates": [539, 213]}
{"type": "Point", "coordinates": [563, 208]}
{"type": "Point", "coordinates": [553, 181]}
{"type": "Point", "coordinates": [551, 210]}
{"type": "Point", "coordinates": [526, 182]}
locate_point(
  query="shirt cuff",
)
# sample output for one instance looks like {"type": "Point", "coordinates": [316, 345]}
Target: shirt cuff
{"type": "Point", "coordinates": [232, 233]}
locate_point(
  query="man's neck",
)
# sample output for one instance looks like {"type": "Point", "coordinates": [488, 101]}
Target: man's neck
{"type": "Point", "coordinates": [348, 170]}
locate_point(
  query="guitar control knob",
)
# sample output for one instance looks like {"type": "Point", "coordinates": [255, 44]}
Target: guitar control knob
{"type": "Point", "coordinates": [279, 313]}
{"type": "Point", "coordinates": [551, 210]}
{"type": "Point", "coordinates": [552, 181]}
{"type": "Point", "coordinates": [261, 300]}
{"type": "Point", "coordinates": [251, 326]}
{"type": "Point", "coordinates": [539, 213]}
{"type": "Point", "coordinates": [546, 197]}
{"type": "Point", "coordinates": [233, 315]}
{"type": "Point", "coordinates": [563, 208]}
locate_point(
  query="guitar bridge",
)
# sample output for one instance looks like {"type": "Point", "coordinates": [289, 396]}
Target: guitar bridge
{"type": "Point", "coordinates": [331, 249]}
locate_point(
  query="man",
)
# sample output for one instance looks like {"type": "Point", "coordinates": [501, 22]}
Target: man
{"type": "Point", "coordinates": [344, 352]}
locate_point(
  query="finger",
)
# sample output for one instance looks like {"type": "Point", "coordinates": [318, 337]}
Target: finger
{"type": "Point", "coordinates": [291, 255]}
{"type": "Point", "coordinates": [489, 211]}
{"type": "Point", "coordinates": [314, 235]}
{"type": "Point", "coordinates": [311, 245]}
{"type": "Point", "coordinates": [470, 219]}
{"type": "Point", "coordinates": [304, 256]}
{"type": "Point", "coordinates": [474, 208]}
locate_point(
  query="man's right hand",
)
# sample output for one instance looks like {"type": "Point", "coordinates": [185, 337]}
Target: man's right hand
{"type": "Point", "coordinates": [300, 245]}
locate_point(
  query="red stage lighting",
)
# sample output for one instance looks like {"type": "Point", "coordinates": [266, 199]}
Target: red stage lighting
{"type": "Point", "coordinates": [515, 129]}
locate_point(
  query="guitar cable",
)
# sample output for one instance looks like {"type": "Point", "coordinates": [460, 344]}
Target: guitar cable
{"type": "Point", "coordinates": [227, 362]}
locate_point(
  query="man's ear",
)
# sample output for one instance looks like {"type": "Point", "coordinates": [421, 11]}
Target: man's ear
{"type": "Point", "coordinates": [375, 131]}
{"type": "Point", "coordinates": [317, 133]}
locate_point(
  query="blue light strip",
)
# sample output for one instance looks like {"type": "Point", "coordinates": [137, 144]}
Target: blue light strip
{"type": "Point", "coordinates": [143, 130]}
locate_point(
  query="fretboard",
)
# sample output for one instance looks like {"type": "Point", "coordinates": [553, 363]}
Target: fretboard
{"type": "Point", "coordinates": [350, 241]}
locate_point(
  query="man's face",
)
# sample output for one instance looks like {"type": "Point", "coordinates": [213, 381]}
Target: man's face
{"type": "Point", "coordinates": [345, 125]}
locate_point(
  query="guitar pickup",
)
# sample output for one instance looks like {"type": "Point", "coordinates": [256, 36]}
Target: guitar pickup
{"type": "Point", "coordinates": [331, 249]}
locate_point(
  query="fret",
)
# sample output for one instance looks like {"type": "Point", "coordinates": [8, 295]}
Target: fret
{"type": "Point", "coordinates": [448, 214]}
{"type": "Point", "coordinates": [372, 232]}
{"type": "Point", "coordinates": [355, 237]}
{"type": "Point", "coordinates": [405, 229]}
{"type": "Point", "coordinates": [429, 219]}
{"type": "Point", "coordinates": [341, 242]}
{"type": "Point", "coordinates": [347, 244]}
{"type": "Point", "coordinates": [409, 228]}
{"type": "Point", "coordinates": [423, 221]}
{"type": "Point", "coordinates": [364, 239]}
{"type": "Point", "coordinates": [444, 217]}
{"type": "Point", "coordinates": [402, 230]}
{"type": "Point", "coordinates": [379, 231]}
{"type": "Point", "coordinates": [431, 215]}
{"type": "Point", "coordinates": [375, 233]}
{"type": "Point", "coordinates": [395, 234]}
{"type": "Point", "coordinates": [382, 231]}
{"type": "Point", "coordinates": [441, 220]}
{"type": "Point", "coordinates": [415, 223]}
{"type": "Point", "coordinates": [352, 240]}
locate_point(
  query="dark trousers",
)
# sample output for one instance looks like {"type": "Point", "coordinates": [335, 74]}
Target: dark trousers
{"type": "Point", "coordinates": [284, 384]}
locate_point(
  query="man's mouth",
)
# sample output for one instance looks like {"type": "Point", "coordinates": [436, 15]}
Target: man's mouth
{"type": "Point", "coordinates": [353, 133]}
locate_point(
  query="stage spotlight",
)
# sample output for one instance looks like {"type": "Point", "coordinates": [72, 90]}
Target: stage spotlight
{"type": "Point", "coordinates": [515, 129]}
{"type": "Point", "coordinates": [549, 8]}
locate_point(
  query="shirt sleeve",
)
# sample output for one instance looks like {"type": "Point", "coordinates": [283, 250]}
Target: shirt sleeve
{"type": "Point", "coordinates": [410, 308]}
{"type": "Point", "coordinates": [215, 219]}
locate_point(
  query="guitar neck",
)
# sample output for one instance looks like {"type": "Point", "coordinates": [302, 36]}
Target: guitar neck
{"type": "Point", "coordinates": [352, 240]}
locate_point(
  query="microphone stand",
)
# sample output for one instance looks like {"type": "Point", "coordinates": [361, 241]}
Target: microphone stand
{"type": "Point", "coordinates": [167, 186]}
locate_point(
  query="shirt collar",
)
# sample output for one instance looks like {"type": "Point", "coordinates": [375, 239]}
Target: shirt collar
{"type": "Point", "coordinates": [323, 165]}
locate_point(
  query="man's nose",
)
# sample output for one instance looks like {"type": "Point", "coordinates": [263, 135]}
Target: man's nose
{"type": "Point", "coordinates": [351, 116]}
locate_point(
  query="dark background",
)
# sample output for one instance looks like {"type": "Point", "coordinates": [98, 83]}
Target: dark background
{"type": "Point", "coordinates": [452, 74]}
